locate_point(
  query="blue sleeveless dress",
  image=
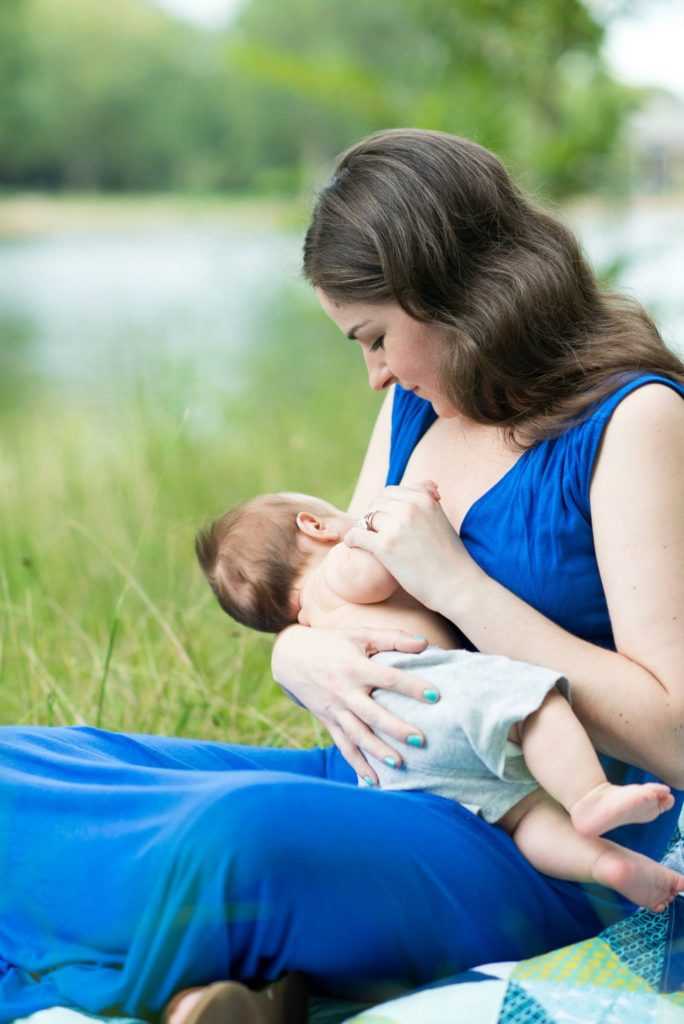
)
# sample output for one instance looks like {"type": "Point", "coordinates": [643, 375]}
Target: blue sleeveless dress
{"type": "Point", "coordinates": [132, 866]}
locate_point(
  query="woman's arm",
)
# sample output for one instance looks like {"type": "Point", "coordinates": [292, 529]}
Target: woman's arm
{"type": "Point", "coordinates": [328, 671]}
{"type": "Point", "coordinates": [630, 701]}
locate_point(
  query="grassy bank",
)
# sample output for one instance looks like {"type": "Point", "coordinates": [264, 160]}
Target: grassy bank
{"type": "Point", "coordinates": [35, 213]}
{"type": "Point", "coordinates": [105, 617]}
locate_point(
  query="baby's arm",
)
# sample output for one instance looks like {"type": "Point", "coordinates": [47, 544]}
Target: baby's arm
{"type": "Point", "coordinates": [357, 576]}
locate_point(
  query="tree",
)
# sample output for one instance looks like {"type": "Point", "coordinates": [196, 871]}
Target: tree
{"type": "Point", "coordinates": [526, 79]}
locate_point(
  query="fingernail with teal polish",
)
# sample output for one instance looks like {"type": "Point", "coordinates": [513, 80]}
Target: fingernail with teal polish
{"type": "Point", "coordinates": [391, 761]}
{"type": "Point", "coordinates": [414, 740]}
{"type": "Point", "coordinates": [422, 639]}
{"type": "Point", "coordinates": [431, 695]}
{"type": "Point", "coordinates": [368, 781]}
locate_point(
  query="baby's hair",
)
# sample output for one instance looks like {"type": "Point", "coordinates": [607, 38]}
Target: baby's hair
{"type": "Point", "coordinates": [251, 559]}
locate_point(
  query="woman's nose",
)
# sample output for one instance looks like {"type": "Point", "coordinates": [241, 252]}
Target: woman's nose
{"type": "Point", "coordinates": [379, 375]}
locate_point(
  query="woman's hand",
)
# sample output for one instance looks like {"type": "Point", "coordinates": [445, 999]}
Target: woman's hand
{"type": "Point", "coordinates": [412, 537]}
{"type": "Point", "coordinates": [329, 672]}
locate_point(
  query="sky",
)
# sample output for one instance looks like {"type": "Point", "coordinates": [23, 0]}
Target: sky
{"type": "Point", "coordinates": [645, 49]}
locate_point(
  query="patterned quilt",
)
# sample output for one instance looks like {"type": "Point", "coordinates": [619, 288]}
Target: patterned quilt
{"type": "Point", "coordinates": [631, 973]}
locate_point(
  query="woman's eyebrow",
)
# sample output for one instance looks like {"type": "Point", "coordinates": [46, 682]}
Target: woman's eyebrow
{"type": "Point", "coordinates": [352, 333]}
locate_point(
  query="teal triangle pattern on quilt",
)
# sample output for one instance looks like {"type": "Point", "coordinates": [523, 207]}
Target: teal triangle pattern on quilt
{"type": "Point", "coordinates": [640, 941]}
{"type": "Point", "coordinates": [615, 978]}
{"type": "Point", "coordinates": [519, 1007]}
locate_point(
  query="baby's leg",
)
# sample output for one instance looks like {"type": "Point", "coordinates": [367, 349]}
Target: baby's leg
{"type": "Point", "coordinates": [560, 756]}
{"type": "Point", "coordinates": [544, 833]}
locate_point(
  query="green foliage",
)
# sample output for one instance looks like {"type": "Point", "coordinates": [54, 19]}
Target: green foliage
{"type": "Point", "coordinates": [123, 96]}
{"type": "Point", "coordinates": [525, 79]}
{"type": "Point", "coordinates": [111, 96]}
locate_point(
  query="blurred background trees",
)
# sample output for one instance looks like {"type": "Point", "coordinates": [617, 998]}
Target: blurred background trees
{"type": "Point", "coordinates": [125, 97]}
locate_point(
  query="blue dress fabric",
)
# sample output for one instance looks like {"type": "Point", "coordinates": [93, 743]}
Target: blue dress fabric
{"type": "Point", "coordinates": [132, 866]}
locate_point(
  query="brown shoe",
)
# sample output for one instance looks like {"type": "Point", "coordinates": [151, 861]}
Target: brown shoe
{"type": "Point", "coordinates": [229, 1002]}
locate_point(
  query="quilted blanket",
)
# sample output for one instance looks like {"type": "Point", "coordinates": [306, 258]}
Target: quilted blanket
{"type": "Point", "coordinates": [631, 973]}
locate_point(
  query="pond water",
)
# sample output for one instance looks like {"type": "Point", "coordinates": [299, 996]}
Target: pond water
{"type": "Point", "coordinates": [92, 311]}
{"type": "Point", "coordinates": [643, 242]}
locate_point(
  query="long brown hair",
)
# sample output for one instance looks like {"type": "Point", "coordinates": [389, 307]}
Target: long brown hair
{"type": "Point", "coordinates": [434, 222]}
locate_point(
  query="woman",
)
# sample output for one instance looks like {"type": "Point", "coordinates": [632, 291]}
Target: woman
{"type": "Point", "coordinates": [551, 418]}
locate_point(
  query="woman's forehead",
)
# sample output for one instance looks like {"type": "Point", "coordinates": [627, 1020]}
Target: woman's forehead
{"type": "Point", "coordinates": [349, 314]}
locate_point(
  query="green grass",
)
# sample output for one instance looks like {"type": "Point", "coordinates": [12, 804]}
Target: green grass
{"type": "Point", "coordinates": [104, 616]}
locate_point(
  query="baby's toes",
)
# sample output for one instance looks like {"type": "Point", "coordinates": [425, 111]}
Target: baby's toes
{"type": "Point", "coordinates": [676, 885]}
{"type": "Point", "coordinates": [662, 793]}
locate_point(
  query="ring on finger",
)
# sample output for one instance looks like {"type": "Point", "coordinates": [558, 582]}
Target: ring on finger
{"type": "Point", "coordinates": [368, 520]}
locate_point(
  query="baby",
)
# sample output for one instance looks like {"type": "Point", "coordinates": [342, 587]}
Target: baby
{"type": "Point", "coordinates": [504, 741]}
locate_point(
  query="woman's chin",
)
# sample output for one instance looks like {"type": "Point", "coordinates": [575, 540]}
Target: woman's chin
{"type": "Point", "coordinates": [440, 403]}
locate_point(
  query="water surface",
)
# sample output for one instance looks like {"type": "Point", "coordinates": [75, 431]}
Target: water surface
{"type": "Point", "coordinates": [94, 313]}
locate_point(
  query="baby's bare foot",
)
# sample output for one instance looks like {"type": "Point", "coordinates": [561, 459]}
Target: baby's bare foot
{"type": "Point", "coordinates": [608, 806]}
{"type": "Point", "coordinates": [640, 879]}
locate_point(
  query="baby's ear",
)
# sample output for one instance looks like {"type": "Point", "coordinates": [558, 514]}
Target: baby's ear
{"type": "Point", "coordinates": [306, 523]}
{"type": "Point", "coordinates": [316, 527]}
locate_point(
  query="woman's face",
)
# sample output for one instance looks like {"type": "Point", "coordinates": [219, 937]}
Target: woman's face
{"type": "Point", "coordinates": [395, 347]}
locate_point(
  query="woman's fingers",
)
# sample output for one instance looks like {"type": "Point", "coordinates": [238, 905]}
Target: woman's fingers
{"type": "Point", "coordinates": [333, 674]}
{"type": "Point", "coordinates": [396, 505]}
{"type": "Point", "coordinates": [407, 492]}
{"type": "Point", "coordinates": [364, 738]}
{"type": "Point", "coordinates": [385, 677]}
{"type": "Point", "coordinates": [432, 489]}
{"type": "Point", "coordinates": [353, 756]}
{"type": "Point", "coordinates": [376, 640]}
{"type": "Point", "coordinates": [425, 493]}
{"type": "Point", "coordinates": [380, 720]}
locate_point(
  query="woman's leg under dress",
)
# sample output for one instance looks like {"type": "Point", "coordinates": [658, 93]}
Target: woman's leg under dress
{"type": "Point", "coordinates": [134, 866]}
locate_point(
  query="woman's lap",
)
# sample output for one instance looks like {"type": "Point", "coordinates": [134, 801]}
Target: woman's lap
{"type": "Point", "coordinates": [170, 862]}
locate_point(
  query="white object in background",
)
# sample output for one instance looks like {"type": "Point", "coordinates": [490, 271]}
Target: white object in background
{"type": "Point", "coordinates": [61, 1015]}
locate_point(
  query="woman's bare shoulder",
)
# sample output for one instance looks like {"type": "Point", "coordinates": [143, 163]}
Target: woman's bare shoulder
{"type": "Point", "coordinates": [648, 421]}
{"type": "Point", "coordinates": [649, 406]}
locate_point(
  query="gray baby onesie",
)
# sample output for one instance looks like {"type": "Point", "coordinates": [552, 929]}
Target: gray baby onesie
{"type": "Point", "coordinates": [468, 756]}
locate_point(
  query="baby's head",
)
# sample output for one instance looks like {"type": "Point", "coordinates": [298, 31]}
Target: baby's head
{"type": "Point", "coordinates": [256, 555]}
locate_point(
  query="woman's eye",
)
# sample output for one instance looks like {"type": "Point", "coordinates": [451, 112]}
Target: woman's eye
{"type": "Point", "coordinates": [378, 343]}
